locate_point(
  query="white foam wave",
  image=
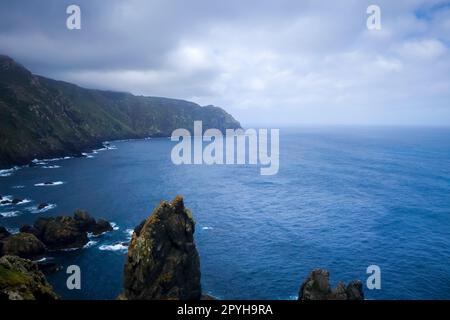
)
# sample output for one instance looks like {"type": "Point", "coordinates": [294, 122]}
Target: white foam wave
{"type": "Point", "coordinates": [207, 228]}
{"type": "Point", "coordinates": [129, 233]}
{"type": "Point", "coordinates": [9, 214]}
{"type": "Point", "coordinates": [24, 201]}
{"type": "Point", "coordinates": [57, 159]}
{"type": "Point", "coordinates": [18, 187]}
{"type": "Point", "coordinates": [47, 208]}
{"type": "Point", "coordinates": [113, 247]}
{"type": "Point", "coordinates": [51, 167]}
{"type": "Point", "coordinates": [90, 244]}
{"type": "Point", "coordinates": [114, 226]}
{"type": "Point", "coordinates": [40, 260]}
{"type": "Point", "coordinates": [88, 155]}
{"type": "Point", "coordinates": [13, 230]}
{"type": "Point", "coordinates": [51, 184]}
{"type": "Point", "coordinates": [8, 172]}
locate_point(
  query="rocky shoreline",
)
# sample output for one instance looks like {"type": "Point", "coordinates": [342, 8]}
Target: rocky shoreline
{"type": "Point", "coordinates": [162, 261]}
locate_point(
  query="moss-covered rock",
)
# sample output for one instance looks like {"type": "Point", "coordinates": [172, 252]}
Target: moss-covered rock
{"type": "Point", "coordinates": [163, 262]}
{"type": "Point", "coordinates": [21, 279]}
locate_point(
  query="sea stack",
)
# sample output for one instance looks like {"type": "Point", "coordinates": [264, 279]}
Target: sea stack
{"type": "Point", "coordinates": [163, 262]}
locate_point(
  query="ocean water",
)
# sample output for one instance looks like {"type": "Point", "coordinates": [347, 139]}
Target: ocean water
{"type": "Point", "coordinates": [344, 199]}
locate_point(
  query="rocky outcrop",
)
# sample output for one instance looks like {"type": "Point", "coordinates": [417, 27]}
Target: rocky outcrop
{"type": "Point", "coordinates": [162, 261]}
{"type": "Point", "coordinates": [21, 279]}
{"type": "Point", "coordinates": [24, 245]}
{"type": "Point", "coordinates": [64, 232]}
{"type": "Point", "coordinates": [87, 223]}
{"type": "Point", "coordinates": [317, 287]}
{"type": "Point", "coordinates": [4, 233]}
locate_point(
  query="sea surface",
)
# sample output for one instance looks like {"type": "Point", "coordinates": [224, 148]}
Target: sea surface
{"type": "Point", "coordinates": [344, 198]}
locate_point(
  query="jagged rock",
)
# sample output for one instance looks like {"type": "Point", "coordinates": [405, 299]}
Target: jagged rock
{"type": "Point", "coordinates": [101, 226]}
{"type": "Point", "coordinates": [21, 279]}
{"type": "Point", "coordinates": [84, 220]}
{"type": "Point", "coordinates": [317, 287]}
{"type": "Point", "coordinates": [163, 262]}
{"type": "Point", "coordinates": [354, 290]}
{"type": "Point", "coordinates": [87, 223]}
{"type": "Point", "coordinates": [24, 245]}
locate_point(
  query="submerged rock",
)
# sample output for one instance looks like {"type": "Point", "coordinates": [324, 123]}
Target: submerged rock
{"type": "Point", "coordinates": [317, 287]}
{"type": "Point", "coordinates": [24, 245]}
{"type": "Point", "coordinates": [163, 262]}
{"type": "Point", "coordinates": [21, 279]}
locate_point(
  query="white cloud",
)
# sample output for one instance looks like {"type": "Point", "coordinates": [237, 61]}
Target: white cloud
{"type": "Point", "coordinates": [285, 62]}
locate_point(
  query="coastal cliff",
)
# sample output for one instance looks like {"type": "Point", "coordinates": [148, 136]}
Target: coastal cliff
{"type": "Point", "coordinates": [45, 118]}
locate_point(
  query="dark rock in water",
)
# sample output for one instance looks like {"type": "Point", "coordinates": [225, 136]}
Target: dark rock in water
{"type": "Point", "coordinates": [89, 224]}
{"type": "Point", "coordinates": [59, 233]}
{"type": "Point", "coordinates": [5, 202]}
{"type": "Point", "coordinates": [100, 227]}
{"type": "Point", "coordinates": [317, 287]}
{"type": "Point", "coordinates": [354, 290]}
{"type": "Point", "coordinates": [163, 262]}
{"type": "Point", "coordinates": [84, 220]}
{"type": "Point", "coordinates": [21, 279]}
{"type": "Point", "coordinates": [4, 233]}
{"type": "Point", "coordinates": [24, 245]}
{"type": "Point", "coordinates": [42, 206]}
{"type": "Point", "coordinates": [16, 200]}
{"type": "Point", "coordinates": [48, 182]}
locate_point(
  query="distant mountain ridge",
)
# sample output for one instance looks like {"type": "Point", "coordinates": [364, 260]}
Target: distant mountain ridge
{"type": "Point", "coordinates": [45, 118]}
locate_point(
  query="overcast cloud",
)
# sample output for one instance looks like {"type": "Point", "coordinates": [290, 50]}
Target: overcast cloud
{"type": "Point", "coordinates": [266, 62]}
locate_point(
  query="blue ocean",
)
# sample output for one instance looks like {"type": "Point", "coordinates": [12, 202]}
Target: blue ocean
{"type": "Point", "coordinates": [344, 198]}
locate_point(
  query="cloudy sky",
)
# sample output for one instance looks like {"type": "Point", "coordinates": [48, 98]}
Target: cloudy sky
{"type": "Point", "coordinates": [277, 62]}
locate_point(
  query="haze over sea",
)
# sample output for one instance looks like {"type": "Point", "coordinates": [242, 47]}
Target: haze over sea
{"type": "Point", "coordinates": [344, 198]}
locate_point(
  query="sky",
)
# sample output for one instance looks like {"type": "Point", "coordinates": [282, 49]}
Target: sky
{"type": "Point", "coordinates": [272, 63]}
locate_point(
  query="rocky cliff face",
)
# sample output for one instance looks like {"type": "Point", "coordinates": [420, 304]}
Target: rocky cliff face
{"type": "Point", "coordinates": [44, 118]}
{"type": "Point", "coordinates": [21, 279]}
{"type": "Point", "coordinates": [163, 262]}
{"type": "Point", "coordinates": [317, 287]}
